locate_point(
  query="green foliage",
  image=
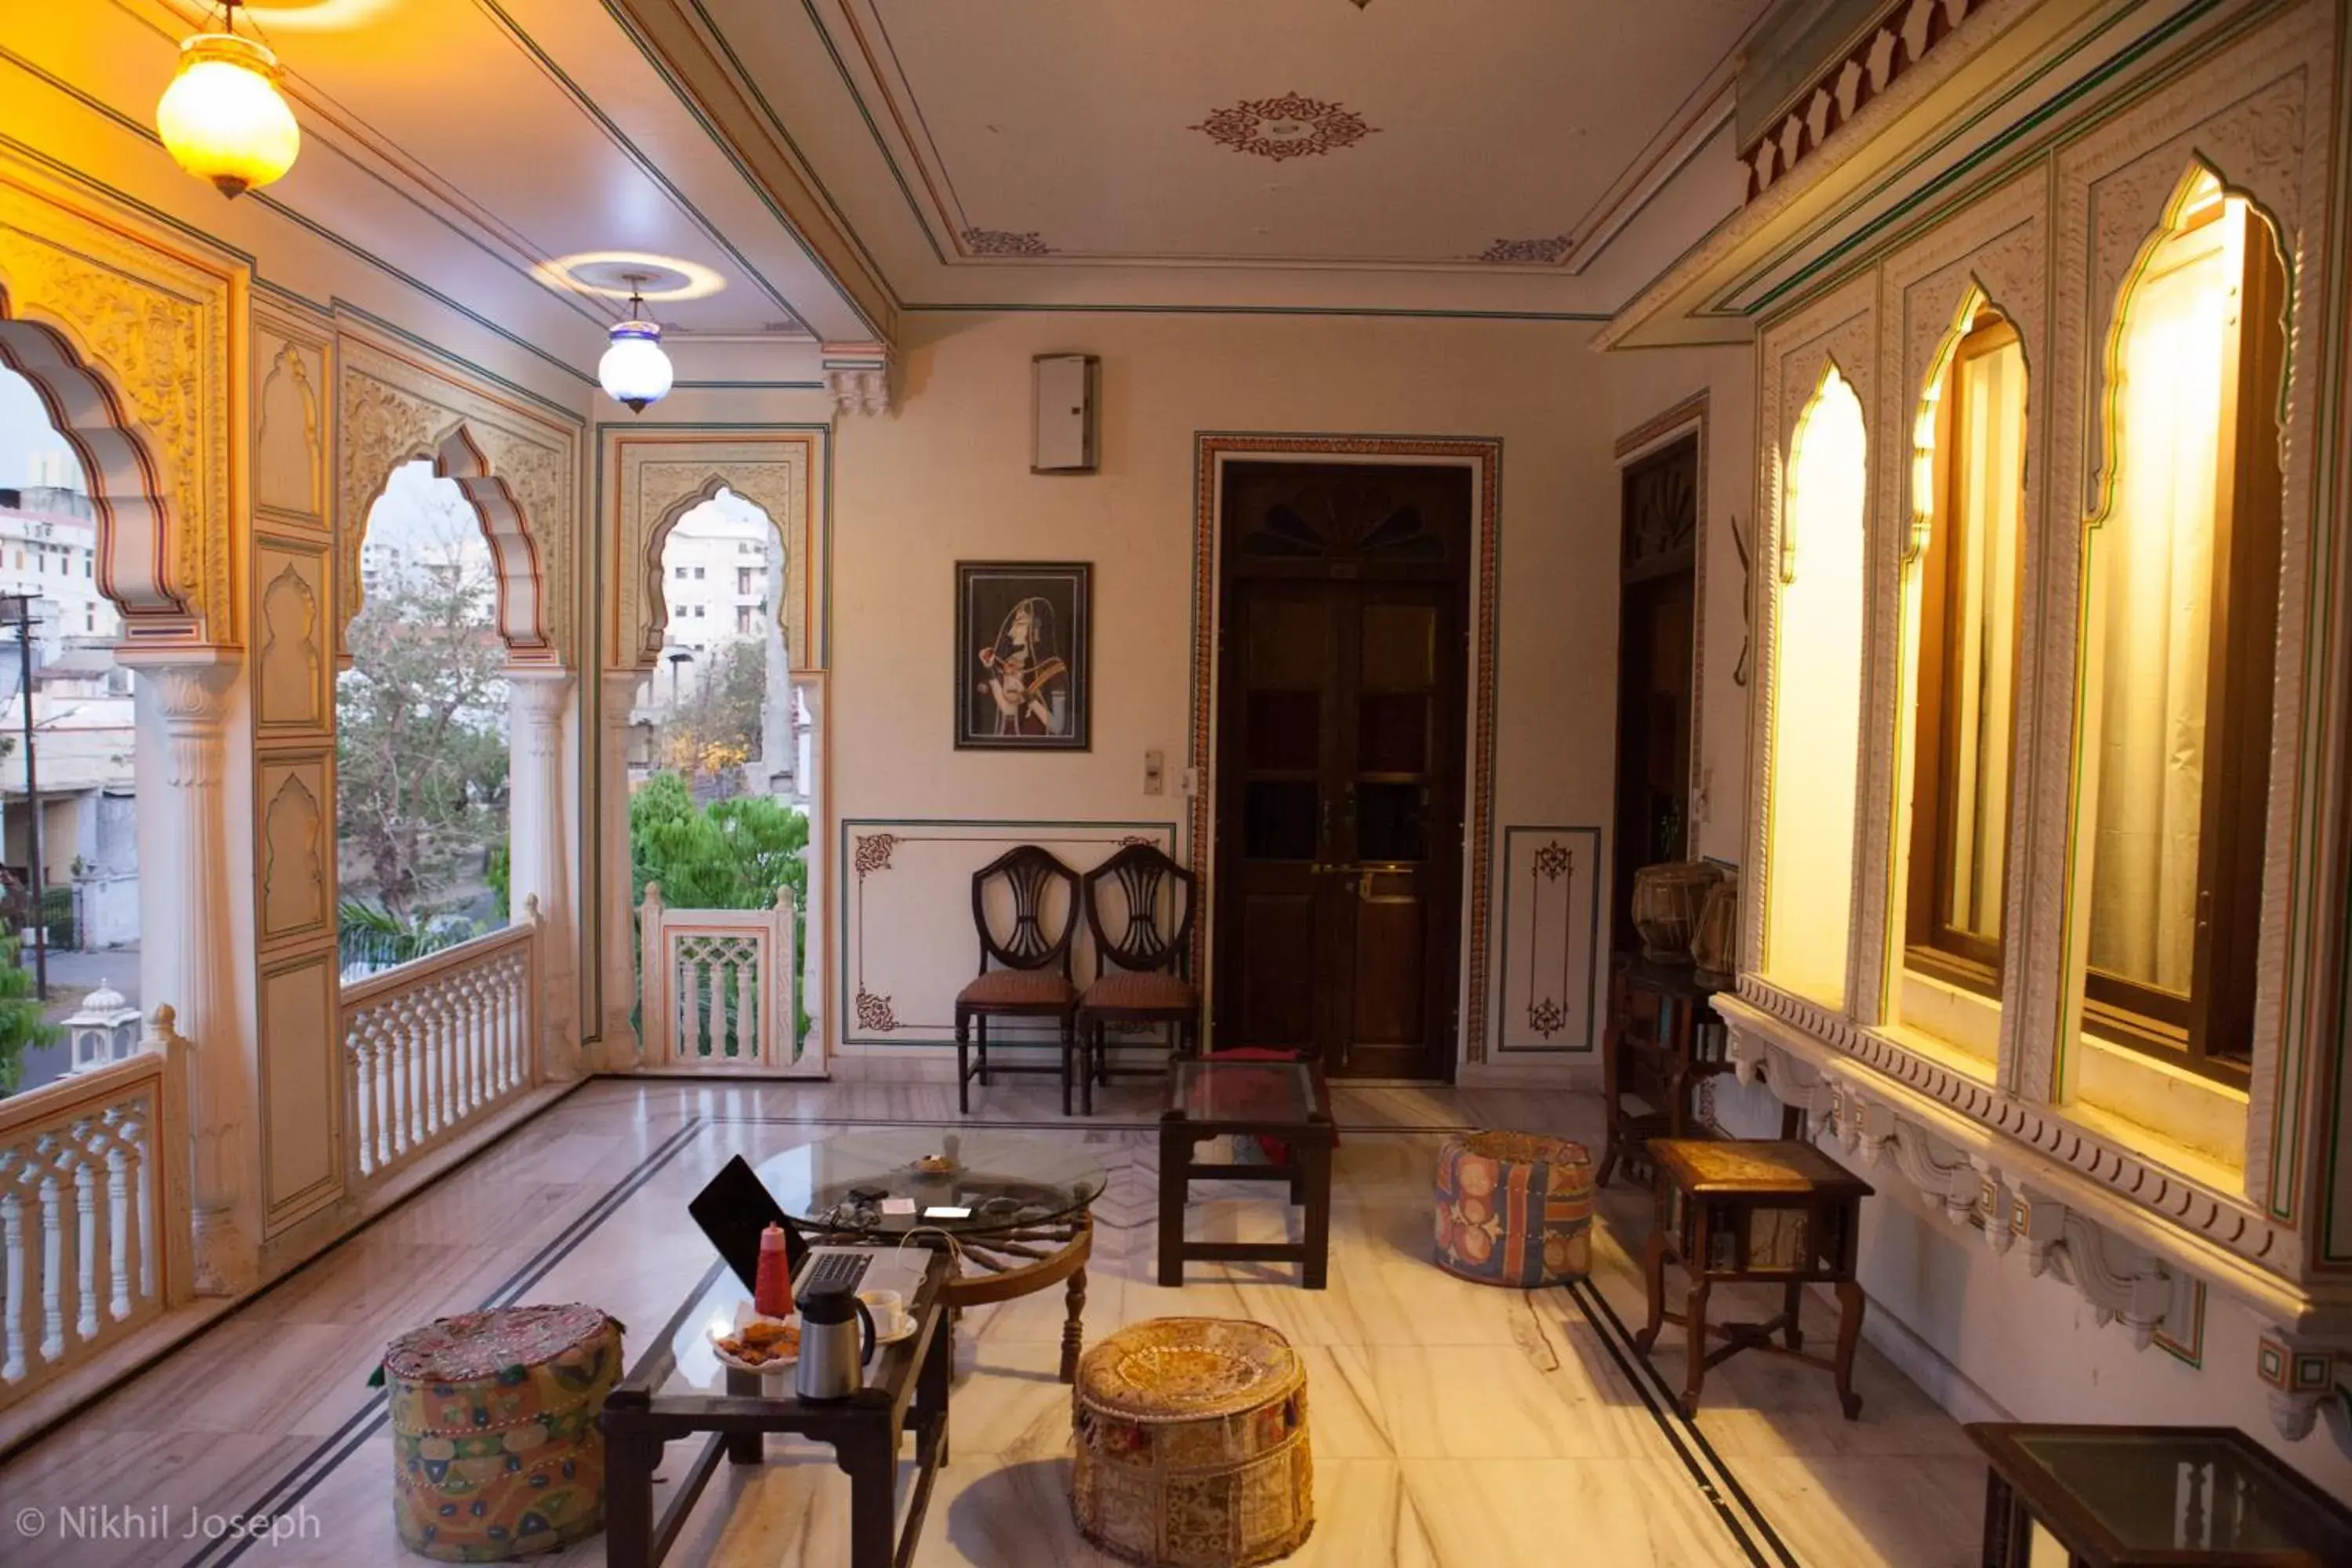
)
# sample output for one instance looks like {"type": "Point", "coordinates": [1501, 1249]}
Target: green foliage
{"type": "Point", "coordinates": [715, 729]}
{"type": "Point", "coordinates": [730, 855]}
{"type": "Point", "coordinates": [20, 1019]}
{"type": "Point", "coordinates": [421, 740]}
{"type": "Point", "coordinates": [501, 874]}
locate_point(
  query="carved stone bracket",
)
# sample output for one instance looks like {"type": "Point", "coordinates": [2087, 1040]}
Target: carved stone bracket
{"type": "Point", "coordinates": [2146, 1270]}
{"type": "Point", "coordinates": [861, 377]}
{"type": "Point", "coordinates": [2307, 1374]}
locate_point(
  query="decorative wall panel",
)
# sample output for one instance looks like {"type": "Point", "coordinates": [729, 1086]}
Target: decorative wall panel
{"type": "Point", "coordinates": [1550, 939]}
{"type": "Point", "coordinates": [658, 479]}
{"type": "Point", "coordinates": [296, 844]}
{"type": "Point", "coordinates": [301, 1102]}
{"type": "Point", "coordinates": [908, 886]}
{"type": "Point", "coordinates": [290, 665]}
{"type": "Point", "coordinates": [289, 434]}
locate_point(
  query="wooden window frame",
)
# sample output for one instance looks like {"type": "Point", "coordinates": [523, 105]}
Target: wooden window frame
{"type": "Point", "coordinates": [1932, 946]}
{"type": "Point", "coordinates": [2195, 1032]}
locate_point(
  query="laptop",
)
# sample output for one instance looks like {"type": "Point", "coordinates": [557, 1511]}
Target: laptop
{"type": "Point", "coordinates": [737, 1206]}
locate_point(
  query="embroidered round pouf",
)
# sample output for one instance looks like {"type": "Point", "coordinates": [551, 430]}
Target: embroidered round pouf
{"type": "Point", "coordinates": [1191, 1444]}
{"type": "Point", "coordinates": [495, 1449]}
{"type": "Point", "coordinates": [1513, 1208]}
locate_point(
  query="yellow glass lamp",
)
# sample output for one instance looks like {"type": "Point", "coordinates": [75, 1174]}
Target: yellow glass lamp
{"type": "Point", "coordinates": [222, 119]}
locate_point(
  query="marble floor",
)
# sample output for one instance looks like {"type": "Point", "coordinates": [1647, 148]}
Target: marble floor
{"type": "Point", "coordinates": [1453, 1424]}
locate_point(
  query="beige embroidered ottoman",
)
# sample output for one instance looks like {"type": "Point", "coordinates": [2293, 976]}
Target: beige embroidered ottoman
{"type": "Point", "coordinates": [495, 1449]}
{"type": "Point", "coordinates": [1191, 1444]}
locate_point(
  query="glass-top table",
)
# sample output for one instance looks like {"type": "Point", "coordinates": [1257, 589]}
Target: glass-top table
{"type": "Point", "coordinates": [1284, 1106]}
{"type": "Point", "coordinates": [2131, 1494]}
{"type": "Point", "coordinates": [887, 1185]}
{"type": "Point", "coordinates": [1249, 1095]}
{"type": "Point", "coordinates": [1016, 1208]}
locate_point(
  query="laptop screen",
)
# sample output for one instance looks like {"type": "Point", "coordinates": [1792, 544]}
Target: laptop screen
{"type": "Point", "coordinates": [733, 1210]}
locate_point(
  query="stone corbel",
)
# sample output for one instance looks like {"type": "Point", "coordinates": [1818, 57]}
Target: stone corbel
{"type": "Point", "coordinates": [861, 377]}
{"type": "Point", "coordinates": [1931, 1165]}
{"type": "Point", "coordinates": [2306, 1374]}
{"type": "Point", "coordinates": [1755, 1059]}
{"type": "Point", "coordinates": [2121, 1282]}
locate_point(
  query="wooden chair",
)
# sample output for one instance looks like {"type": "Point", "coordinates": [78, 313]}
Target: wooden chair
{"type": "Point", "coordinates": [1033, 979]}
{"type": "Point", "coordinates": [1141, 976]}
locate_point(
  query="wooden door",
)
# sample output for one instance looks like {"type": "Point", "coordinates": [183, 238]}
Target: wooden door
{"type": "Point", "coordinates": [1342, 687]}
{"type": "Point", "coordinates": [1654, 626]}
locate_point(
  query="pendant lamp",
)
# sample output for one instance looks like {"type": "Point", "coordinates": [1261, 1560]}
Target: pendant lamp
{"type": "Point", "coordinates": [222, 119]}
{"type": "Point", "coordinates": [634, 372]}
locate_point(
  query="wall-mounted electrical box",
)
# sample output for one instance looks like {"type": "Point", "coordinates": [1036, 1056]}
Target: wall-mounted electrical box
{"type": "Point", "coordinates": [1065, 390]}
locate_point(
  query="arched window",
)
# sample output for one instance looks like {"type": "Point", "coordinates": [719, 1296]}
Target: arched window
{"type": "Point", "coordinates": [720, 702]}
{"type": "Point", "coordinates": [1817, 697]}
{"type": "Point", "coordinates": [1961, 629]}
{"type": "Point", "coordinates": [421, 731]}
{"type": "Point", "coordinates": [2179, 634]}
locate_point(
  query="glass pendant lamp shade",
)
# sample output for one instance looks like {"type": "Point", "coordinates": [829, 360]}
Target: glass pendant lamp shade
{"type": "Point", "coordinates": [222, 119]}
{"type": "Point", "coordinates": [635, 371]}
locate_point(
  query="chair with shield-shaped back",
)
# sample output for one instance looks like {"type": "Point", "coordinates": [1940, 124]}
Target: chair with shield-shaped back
{"type": "Point", "coordinates": [1142, 976]}
{"type": "Point", "coordinates": [1032, 977]}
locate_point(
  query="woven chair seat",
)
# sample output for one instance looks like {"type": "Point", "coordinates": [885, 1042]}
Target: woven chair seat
{"type": "Point", "coordinates": [1042, 988]}
{"type": "Point", "coordinates": [1149, 990]}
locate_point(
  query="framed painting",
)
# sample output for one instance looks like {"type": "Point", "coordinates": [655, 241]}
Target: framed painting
{"type": "Point", "coordinates": [1024, 656]}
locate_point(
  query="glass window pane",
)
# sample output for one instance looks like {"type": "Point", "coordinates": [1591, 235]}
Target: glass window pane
{"type": "Point", "coordinates": [1278, 820]}
{"type": "Point", "coordinates": [1400, 650]}
{"type": "Point", "coordinates": [1989, 489]}
{"type": "Point", "coordinates": [1290, 643]}
{"type": "Point", "coordinates": [1285, 731]}
{"type": "Point", "coordinates": [1393, 734]}
{"type": "Point", "coordinates": [1392, 822]}
{"type": "Point", "coordinates": [2153, 564]}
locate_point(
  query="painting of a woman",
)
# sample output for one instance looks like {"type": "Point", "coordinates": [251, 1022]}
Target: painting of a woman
{"type": "Point", "coordinates": [1023, 675]}
{"type": "Point", "coordinates": [1021, 639]}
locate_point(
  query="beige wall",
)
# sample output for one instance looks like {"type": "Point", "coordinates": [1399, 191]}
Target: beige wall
{"type": "Point", "coordinates": [947, 477]}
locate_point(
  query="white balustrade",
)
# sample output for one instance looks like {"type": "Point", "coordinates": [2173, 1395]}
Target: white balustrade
{"type": "Point", "coordinates": [429, 1047]}
{"type": "Point", "coordinates": [718, 990]}
{"type": "Point", "coordinates": [94, 1216]}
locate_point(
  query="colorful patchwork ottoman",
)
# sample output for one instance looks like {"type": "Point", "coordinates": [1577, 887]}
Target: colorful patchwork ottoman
{"type": "Point", "coordinates": [1191, 1444]}
{"type": "Point", "coordinates": [495, 1450]}
{"type": "Point", "coordinates": [1513, 1208]}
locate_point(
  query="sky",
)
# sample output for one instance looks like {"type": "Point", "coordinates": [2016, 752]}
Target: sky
{"type": "Point", "coordinates": [25, 431]}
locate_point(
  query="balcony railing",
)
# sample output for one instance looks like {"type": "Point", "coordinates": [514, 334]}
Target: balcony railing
{"type": "Point", "coordinates": [718, 990]}
{"type": "Point", "coordinates": [94, 1223]}
{"type": "Point", "coordinates": [430, 1046]}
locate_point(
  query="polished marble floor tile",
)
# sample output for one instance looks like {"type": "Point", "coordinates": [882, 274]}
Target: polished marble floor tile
{"type": "Point", "coordinates": [1454, 1425]}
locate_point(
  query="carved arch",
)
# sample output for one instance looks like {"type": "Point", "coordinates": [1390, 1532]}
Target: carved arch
{"type": "Point", "coordinates": [130, 493]}
{"type": "Point", "coordinates": [1785, 535]}
{"type": "Point", "coordinates": [653, 616]}
{"type": "Point", "coordinates": [457, 454]}
{"type": "Point", "coordinates": [1976, 303]}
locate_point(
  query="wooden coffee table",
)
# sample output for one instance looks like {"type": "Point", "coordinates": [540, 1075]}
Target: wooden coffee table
{"type": "Point", "coordinates": [1286, 1100]}
{"type": "Point", "coordinates": [679, 1388]}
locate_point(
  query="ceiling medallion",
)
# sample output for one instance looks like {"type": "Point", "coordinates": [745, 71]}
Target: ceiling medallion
{"type": "Point", "coordinates": [1004, 242]}
{"type": "Point", "coordinates": [1548, 251]}
{"type": "Point", "coordinates": [1285, 127]}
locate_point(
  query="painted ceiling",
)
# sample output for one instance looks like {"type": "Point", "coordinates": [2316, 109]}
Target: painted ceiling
{"type": "Point", "coordinates": [1407, 133]}
{"type": "Point", "coordinates": [832, 164]}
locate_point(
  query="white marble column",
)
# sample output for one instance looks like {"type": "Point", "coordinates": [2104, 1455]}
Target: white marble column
{"type": "Point", "coordinates": [188, 958]}
{"type": "Point", "coordinates": [621, 1051]}
{"type": "Point", "coordinates": [539, 862]}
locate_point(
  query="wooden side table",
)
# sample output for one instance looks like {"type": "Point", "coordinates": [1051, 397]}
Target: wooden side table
{"type": "Point", "coordinates": [1777, 1211]}
{"type": "Point", "coordinates": [1286, 1100]}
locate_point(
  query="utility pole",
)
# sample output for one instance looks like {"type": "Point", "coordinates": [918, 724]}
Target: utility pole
{"type": "Point", "coordinates": [23, 606]}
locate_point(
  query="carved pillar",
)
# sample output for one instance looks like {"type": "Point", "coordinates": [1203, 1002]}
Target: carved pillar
{"type": "Point", "coordinates": [539, 865]}
{"type": "Point", "coordinates": [622, 1050]}
{"type": "Point", "coordinates": [185, 869]}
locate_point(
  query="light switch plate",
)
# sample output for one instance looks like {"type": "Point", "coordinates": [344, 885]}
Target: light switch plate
{"type": "Point", "coordinates": [1155, 772]}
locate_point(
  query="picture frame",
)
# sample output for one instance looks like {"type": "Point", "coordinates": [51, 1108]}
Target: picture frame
{"type": "Point", "coordinates": [1024, 656]}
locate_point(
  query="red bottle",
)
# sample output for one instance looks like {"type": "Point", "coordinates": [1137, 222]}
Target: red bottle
{"type": "Point", "coordinates": [771, 1288]}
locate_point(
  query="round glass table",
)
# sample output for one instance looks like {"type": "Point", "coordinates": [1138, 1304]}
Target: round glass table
{"type": "Point", "coordinates": [1016, 1212]}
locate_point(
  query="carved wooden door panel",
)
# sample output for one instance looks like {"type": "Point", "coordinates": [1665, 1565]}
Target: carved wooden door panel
{"type": "Point", "coordinates": [1341, 672]}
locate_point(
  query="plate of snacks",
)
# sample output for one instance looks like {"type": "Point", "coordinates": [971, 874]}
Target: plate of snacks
{"type": "Point", "coordinates": [757, 1344]}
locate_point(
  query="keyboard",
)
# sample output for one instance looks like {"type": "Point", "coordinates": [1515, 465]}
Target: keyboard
{"type": "Point", "coordinates": [828, 1269]}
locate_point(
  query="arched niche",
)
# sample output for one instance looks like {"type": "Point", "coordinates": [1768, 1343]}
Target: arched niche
{"type": "Point", "coordinates": [458, 455]}
{"type": "Point", "coordinates": [130, 493]}
{"type": "Point", "coordinates": [1816, 578]}
{"type": "Point", "coordinates": [660, 480]}
{"type": "Point", "coordinates": [653, 614]}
